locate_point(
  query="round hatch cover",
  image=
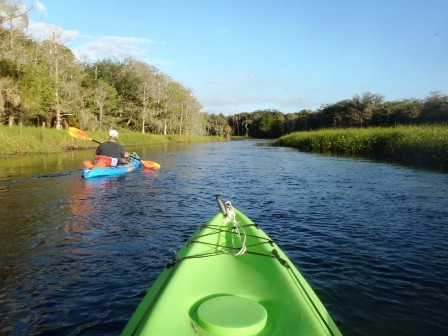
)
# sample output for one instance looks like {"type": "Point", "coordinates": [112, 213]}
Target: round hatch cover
{"type": "Point", "coordinates": [232, 316]}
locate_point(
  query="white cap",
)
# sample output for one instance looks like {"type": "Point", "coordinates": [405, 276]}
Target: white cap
{"type": "Point", "coordinates": [113, 134]}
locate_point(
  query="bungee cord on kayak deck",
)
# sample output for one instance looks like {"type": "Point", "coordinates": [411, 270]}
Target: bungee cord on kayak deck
{"type": "Point", "coordinates": [214, 292]}
{"type": "Point", "coordinates": [230, 217]}
{"type": "Point", "coordinates": [223, 249]}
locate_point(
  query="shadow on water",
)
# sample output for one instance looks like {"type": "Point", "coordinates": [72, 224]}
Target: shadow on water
{"type": "Point", "coordinates": [78, 255]}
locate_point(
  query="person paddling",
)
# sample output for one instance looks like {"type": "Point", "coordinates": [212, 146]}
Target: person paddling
{"type": "Point", "coordinates": [111, 152]}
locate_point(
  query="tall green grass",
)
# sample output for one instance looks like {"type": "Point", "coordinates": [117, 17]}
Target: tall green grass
{"type": "Point", "coordinates": [18, 140]}
{"type": "Point", "coordinates": [424, 146]}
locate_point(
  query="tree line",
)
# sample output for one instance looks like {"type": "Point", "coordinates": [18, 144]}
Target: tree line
{"type": "Point", "coordinates": [366, 110]}
{"type": "Point", "coordinates": [43, 82]}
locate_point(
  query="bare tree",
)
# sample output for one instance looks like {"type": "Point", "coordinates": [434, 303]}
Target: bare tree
{"type": "Point", "coordinates": [64, 69]}
{"type": "Point", "coordinates": [14, 18]}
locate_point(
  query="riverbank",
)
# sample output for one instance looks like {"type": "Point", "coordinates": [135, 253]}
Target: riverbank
{"type": "Point", "coordinates": [18, 140]}
{"type": "Point", "coordinates": [419, 146]}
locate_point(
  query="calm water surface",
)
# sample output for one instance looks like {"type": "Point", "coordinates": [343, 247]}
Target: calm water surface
{"type": "Point", "coordinates": [77, 256]}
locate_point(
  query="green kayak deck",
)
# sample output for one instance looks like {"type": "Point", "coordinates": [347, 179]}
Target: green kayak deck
{"type": "Point", "coordinates": [230, 279]}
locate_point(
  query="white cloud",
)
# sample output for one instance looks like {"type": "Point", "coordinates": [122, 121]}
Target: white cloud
{"type": "Point", "coordinates": [159, 63]}
{"type": "Point", "coordinates": [93, 48]}
{"type": "Point", "coordinates": [39, 6]}
{"type": "Point", "coordinates": [229, 104]}
{"type": "Point", "coordinates": [37, 30]}
{"type": "Point", "coordinates": [42, 31]}
{"type": "Point", "coordinates": [111, 47]}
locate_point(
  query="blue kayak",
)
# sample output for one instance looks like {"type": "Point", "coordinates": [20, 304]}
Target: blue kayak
{"type": "Point", "coordinates": [93, 171]}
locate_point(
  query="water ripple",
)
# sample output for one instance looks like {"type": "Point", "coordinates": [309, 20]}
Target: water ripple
{"type": "Point", "coordinates": [77, 256]}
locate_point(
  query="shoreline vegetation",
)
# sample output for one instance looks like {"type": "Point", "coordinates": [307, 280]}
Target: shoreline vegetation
{"type": "Point", "coordinates": [416, 146]}
{"type": "Point", "coordinates": [29, 140]}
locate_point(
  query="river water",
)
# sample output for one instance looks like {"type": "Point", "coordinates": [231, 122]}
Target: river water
{"type": "Point", "coordinates": [77, 256]}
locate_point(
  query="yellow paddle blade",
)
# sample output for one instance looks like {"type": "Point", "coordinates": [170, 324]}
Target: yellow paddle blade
{"type": "Point", "coordinates": [77, 133]}
{"type": "Point", "coordinates": [150, 164]}
{"type": "Point", "coordinates": [88, 164]}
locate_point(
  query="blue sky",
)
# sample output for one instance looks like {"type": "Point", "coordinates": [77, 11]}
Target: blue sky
{"type": "Point", "coordinates": [243, 55]}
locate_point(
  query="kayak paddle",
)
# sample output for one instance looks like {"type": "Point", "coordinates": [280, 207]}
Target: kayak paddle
{"type": "Point", "coordinates": [78, 134]}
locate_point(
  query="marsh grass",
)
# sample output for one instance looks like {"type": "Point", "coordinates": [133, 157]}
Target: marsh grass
{"type": "Point", "coordinates": [422, 146]}
{"type": "Point", "coordinates": [18, 140]}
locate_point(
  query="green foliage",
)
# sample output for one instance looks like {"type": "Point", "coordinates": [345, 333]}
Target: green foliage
{"type": "Point", "coordinates": [217, 126]}
{"type": "Point", "coordinates": [37, 96]}
{"type": "Point", "coordinates": [43, 82]}
{"type": "Point", "coordinates": [18, 140]}
{"type": "Point", "coordinates": [435, 108]}
{"type": "Point", "coordinates": [8, 68]}
{"type": "Point", "coordinates": [266, 124]}
{"type": "Point", "coordinates": [414, 145]}
{"type": "Point", "coordinates": [367, 110]}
